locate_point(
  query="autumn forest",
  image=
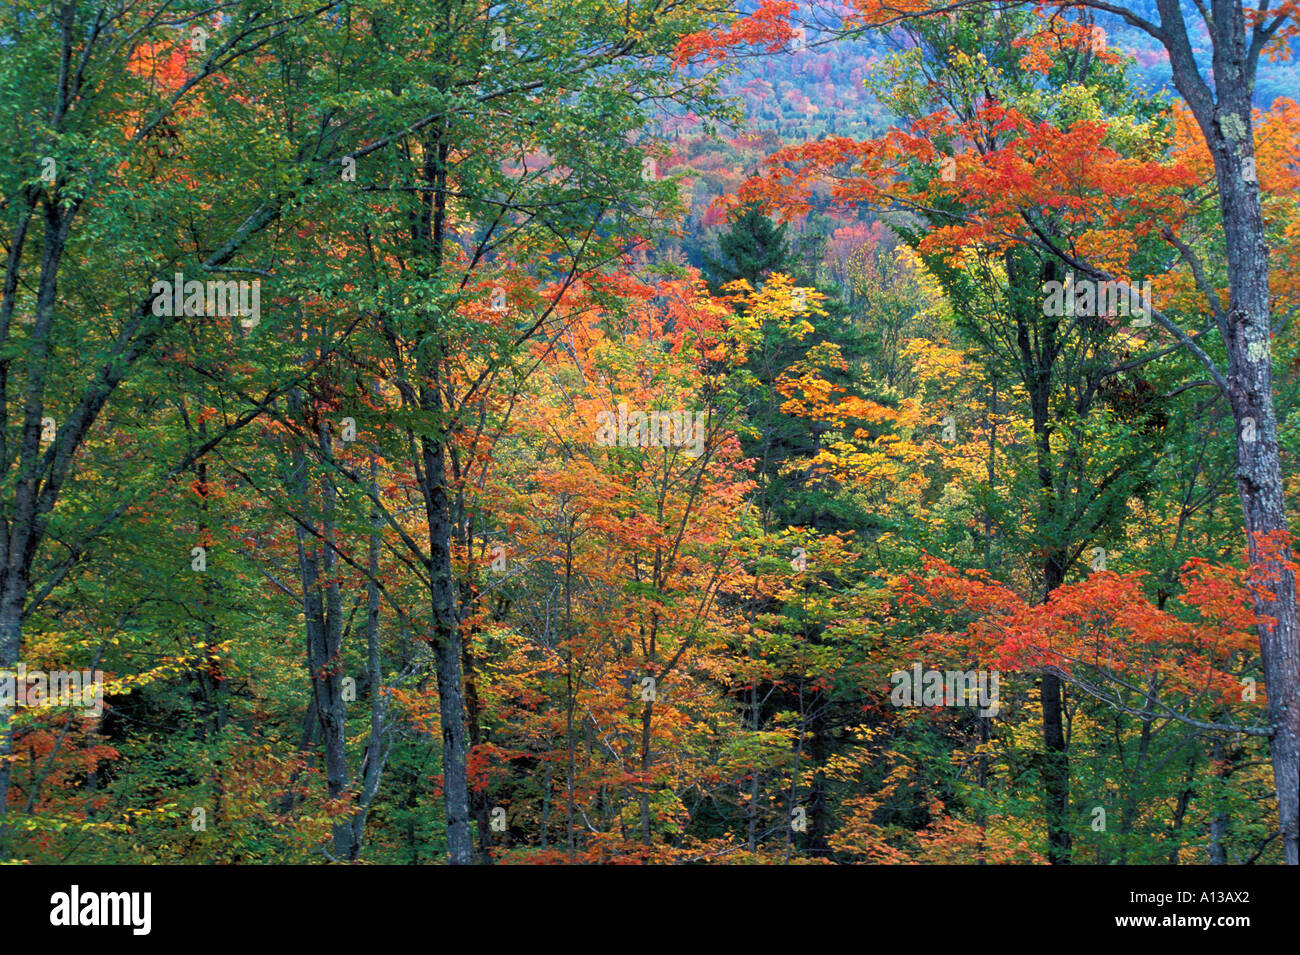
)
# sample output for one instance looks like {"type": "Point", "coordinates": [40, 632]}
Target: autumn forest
{"type": "Point", "coordinates": [649, 432]}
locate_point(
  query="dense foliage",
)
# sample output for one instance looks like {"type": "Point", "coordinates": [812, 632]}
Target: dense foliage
{"type": "Point", "coordinates": [443, 431]}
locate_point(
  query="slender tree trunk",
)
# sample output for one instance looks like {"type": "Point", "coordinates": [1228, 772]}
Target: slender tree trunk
{"type": "Point", "coordinates": [445, 641]}
{"type": "Point", "coordinates": [647, 717]}
{"type": "Point", "coordinates": [1036, 367]}
{"type": "Point", "coordinates": [323, 621]}
{"type": "Point", "coordinates": [1056, 758]}
{"type": "Point", "coordinates": [376, 755]}
{"type": "Point", "coordinates": [1219, 824]}
{"type": "Point", "coordinates": [428, 236]}
{"type": "Point", "coordinates": [467, 587]}
{"type": "Point", "coordinates": [571, 758]}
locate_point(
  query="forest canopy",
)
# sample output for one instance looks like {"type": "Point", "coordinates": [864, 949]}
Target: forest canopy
{"type": "Point", "coordinates": [436, 431]}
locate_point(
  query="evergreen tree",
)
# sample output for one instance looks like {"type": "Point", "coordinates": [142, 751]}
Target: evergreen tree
{"type": "Point", "coordinates": [753, 249]}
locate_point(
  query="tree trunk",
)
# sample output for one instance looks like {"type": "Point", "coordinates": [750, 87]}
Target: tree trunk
{"type": "Point", "coordinates": [323, 622]}
{"type": "Point", "coordinates": [429, 232]}
{"type": "Point", "coordinates": [1036, 368]}
{"type": "Point", "coordinates": [445, 640]}
{"type": "Point", "coordinates": [376, 755]}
